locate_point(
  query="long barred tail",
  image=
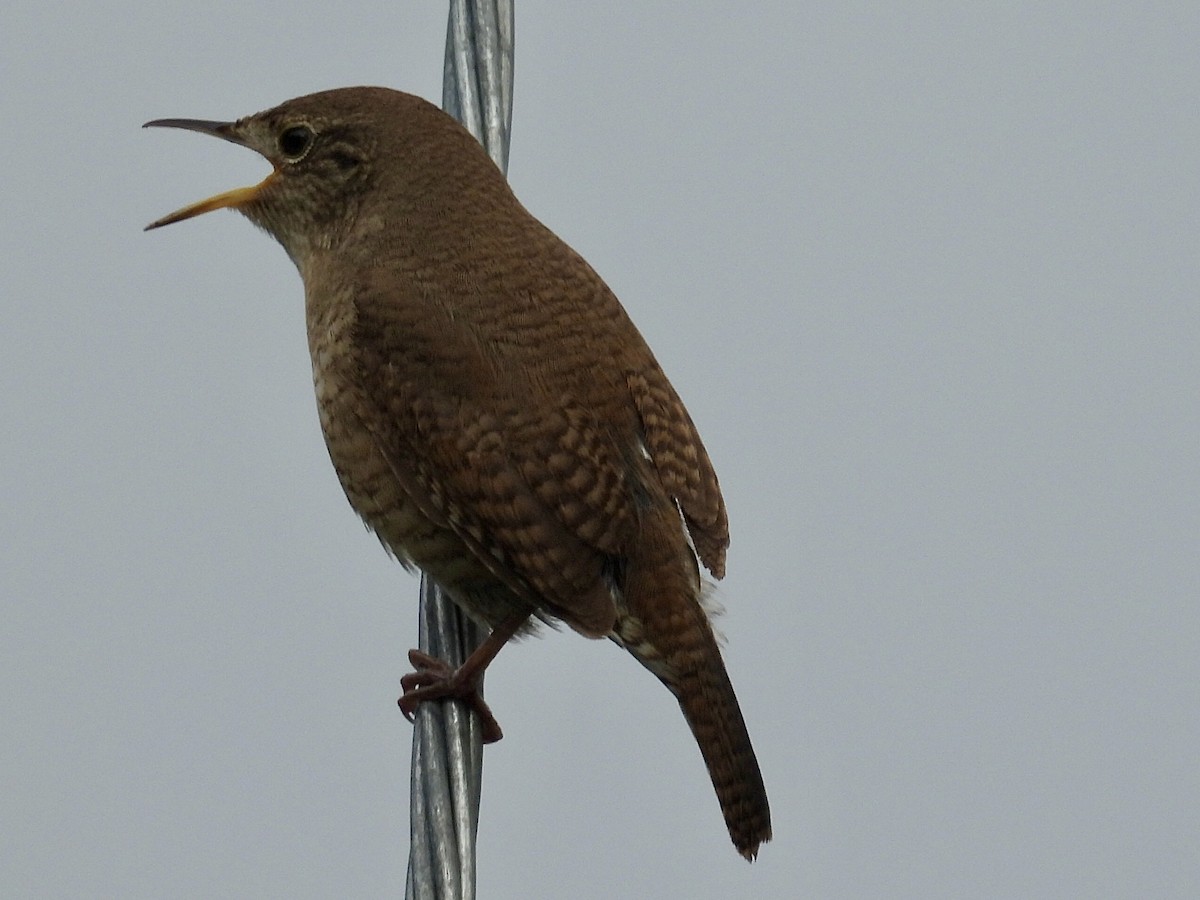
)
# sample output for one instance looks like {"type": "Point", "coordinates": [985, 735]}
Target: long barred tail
{"type": "Point", "coordinates": [667, 630]}
{"type": "Point", "coordinates": [708, 702]}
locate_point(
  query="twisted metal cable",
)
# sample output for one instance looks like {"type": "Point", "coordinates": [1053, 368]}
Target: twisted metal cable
{"type": "Point", "coordinates": [447, 750]}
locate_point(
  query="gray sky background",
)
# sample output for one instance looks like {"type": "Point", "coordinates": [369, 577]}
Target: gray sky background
{"type": "Point", "coordinates": [926, 275]}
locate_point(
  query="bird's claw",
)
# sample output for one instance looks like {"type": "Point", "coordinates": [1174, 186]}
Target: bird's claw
{"type": "Point", "coordinates": [433, 679]}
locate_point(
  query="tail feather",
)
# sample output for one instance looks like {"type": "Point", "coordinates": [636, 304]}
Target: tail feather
{"type": "Point", "coordinates": [711, 708]}
{"type": "Point", "coordinates": [665, 627]}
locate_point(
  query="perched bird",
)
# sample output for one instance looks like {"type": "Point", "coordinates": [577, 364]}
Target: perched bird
{"type": "Point", "coordinates": [491, 411]}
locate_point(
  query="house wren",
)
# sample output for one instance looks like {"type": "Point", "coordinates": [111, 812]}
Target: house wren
{"type": "Point", "coordinates": [491, 411]}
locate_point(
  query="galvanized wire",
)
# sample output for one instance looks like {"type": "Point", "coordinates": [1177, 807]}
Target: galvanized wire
{"type": "Point", "coordinates": [477, 83]}
{"type": "Point", "coordinates": [447, 750]}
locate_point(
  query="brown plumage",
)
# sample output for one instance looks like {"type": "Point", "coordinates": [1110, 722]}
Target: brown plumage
{"type": "Point", "coordinates": [491, 411]}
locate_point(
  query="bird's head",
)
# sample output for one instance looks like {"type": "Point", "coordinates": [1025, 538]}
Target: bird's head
{"type": "Point", "coordinates": [323, 149]}
{"type": "Point", "coordinates": [354, 160]}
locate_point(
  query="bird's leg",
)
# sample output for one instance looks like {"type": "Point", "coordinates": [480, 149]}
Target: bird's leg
{"type": "Point", "coordinates": [436, 680]}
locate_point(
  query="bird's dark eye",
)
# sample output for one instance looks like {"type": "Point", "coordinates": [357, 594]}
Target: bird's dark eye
{"type": "Point", "coordinates": [295, 141]}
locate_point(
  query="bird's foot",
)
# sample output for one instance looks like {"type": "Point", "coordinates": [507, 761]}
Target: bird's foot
{"type": "Point", "coordinates": [435, 680]}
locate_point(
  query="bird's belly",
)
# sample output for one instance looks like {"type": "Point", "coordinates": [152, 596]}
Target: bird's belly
{"type": "Point", "coordinates": [377, 495]}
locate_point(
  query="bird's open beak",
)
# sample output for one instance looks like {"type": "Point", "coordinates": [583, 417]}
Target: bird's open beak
{"type": "Point", "coordinates": [231, 199]}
